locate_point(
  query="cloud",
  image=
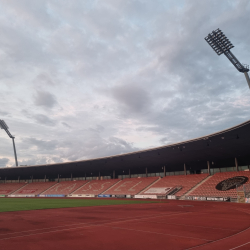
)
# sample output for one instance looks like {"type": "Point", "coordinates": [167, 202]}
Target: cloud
{"type": "Point", "coordinates": [132, 98]}
{"type": "Point", "coordinates": [45, 99]}
{"type": "Point", "coordinates": [66, 124]}
{"type": "Point", "coordinates": [3, 162]}
{"type": "Point", "coordinates": [45, 120]}
{"type": "Point", "coordinates": [86, 79]}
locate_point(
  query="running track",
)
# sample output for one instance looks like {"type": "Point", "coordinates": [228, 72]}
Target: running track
{"type": "Point", "coordinates": [173, 225]}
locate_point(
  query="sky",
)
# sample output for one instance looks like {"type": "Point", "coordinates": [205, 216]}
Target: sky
{"type": "Point", "coordinates": [87, 79]}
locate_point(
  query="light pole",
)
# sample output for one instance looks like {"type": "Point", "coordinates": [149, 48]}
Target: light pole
{"type": "Point", "coordinates": [221, 45]}
{"type": "Point", "coordinates": [4, 126]}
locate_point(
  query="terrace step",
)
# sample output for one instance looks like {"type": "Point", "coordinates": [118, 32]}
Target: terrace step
{"type": "Point", "coordinates": [193, 188]}
{"type": "Point", "coordinates": [48, 188]}
{"type": "Point", "coordinates": [149, 186]}
{"type": "Point", "coordinates": [80, 187]}
{"type": "Point", "coordinates": [18, 189]}
{"type": "Point", "coordinates": [111, 187]}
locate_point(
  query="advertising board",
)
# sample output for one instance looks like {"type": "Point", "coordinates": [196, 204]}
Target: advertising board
{"type": "Point", "coordinates": [1, 195]}
{"type": "Point", "coordinates": [218, 199]}
{"type": "Point", "coordinates": [120, 196]}
{"type": "Point", "coordinates": [145, 196]}
{"type": "Point", "coordinates": [21, 195]}
{"type": "Point", "coordinates": [81, 195]}
{"type": "Point", "coordinates": [171, 197]}
{"type": "Point", "coordinates": [104, 195]}
{"type": "Point", "coordinates": [55, 195]}
{"type": "Point", "coordinates": [188, 197]}
{"type": "Point", "coordinates": [197, 198]}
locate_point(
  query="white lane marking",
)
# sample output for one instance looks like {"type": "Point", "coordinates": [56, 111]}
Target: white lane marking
{"type": "Point", "coordinates": [91, 223]}
{"type": "Point", "coordinates": [190, 225]}
{"type": "Point", "coordinates": [239, 246]}
{"type": "Point", "coordinates": [136, 230]}
{"type": "Point", "coordinates": [59, 230]}
{"type": "Point", "coordinates": [220, 239]}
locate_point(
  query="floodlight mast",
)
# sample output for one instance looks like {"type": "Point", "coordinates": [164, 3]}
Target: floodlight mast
{"type": "Point", "coordinates": [4, 126]}
{"type": "Point", "coordinates": [221, 45]}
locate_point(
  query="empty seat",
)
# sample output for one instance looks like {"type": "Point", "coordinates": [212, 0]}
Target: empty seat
{"type": "Point", "coordinates": [8, 188]}
{"type": "Point", "coordinates": [131, 186]}
{"type": "Point", "coordinates": [96, 187]}
{"type": "Point", "coordinates": [208, 188]}
{"type": "Point", "coordinates": [34, 188]}
{"type": "Point", "coordinates": [185, 181]}
{"type": "Point", "coordinates": [64, 187]}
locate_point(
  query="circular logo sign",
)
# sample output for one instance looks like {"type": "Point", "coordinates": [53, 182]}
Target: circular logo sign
{"type": "Point", "coordinates": [231, 183]}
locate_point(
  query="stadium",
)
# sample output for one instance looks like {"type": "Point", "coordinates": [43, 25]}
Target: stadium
{"type": "Point", "coordinates": [127, 137]}
{"type": "Point", "coordinates": [169, 190]}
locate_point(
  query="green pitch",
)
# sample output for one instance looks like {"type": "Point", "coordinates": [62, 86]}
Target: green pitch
{"type": "Point", "coordinates": [20, 204]}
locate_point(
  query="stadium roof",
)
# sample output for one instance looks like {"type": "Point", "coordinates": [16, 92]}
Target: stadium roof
{"type": "Point", "coordinates": [219, 148]}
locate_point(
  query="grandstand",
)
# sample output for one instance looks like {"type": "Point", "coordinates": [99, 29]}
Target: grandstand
{"type": "Point", "coordinates": [208, 188]}
{"type": "Point", "coordinates": [64, 188]}
{"type": "Point", "coordinates": [34, 188]}
{"type": "Point", "coordinates": [96, 187]}
{"type": "Point", "coordinates": [184, 182]}
{"type": "Point", "coordinates": [131, 186]}
{"type": "Point", "coordinates": [9, 188]}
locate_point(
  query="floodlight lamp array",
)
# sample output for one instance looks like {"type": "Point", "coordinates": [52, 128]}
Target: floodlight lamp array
{"type": "Point", "coordinates": [3, 125]}
{"type": "Point", "coordinates": [219, 42]}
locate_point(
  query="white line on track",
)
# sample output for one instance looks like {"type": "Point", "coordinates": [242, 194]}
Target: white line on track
{"type": "Point", "coordinates": [219, 239]}
{"type": "Point", "coordinates": [88, 225]}
{"type": "Point", "coordinates": [136, 230]}
{"type": "Point", "coordinates": [191, 225]}
{"type": "Point", "coordinates": [240, 246]}
{"type": "Point", "coordinates": [91, 223]}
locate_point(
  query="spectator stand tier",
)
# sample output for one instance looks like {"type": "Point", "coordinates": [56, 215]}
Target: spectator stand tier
{"type": "Point", "coordinates": [131, 186]}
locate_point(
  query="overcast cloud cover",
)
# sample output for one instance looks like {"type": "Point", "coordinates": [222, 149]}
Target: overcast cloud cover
{"type": "Point", "coordinates": [85, 79]}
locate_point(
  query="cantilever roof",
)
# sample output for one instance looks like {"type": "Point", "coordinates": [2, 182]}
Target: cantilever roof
{"type": "Point", "coordinates": [221, 148]}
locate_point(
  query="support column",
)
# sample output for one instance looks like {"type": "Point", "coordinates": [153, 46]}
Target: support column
{"type": "Point", "coordinates": [236, 164]}
{"type": "Point", "coordinates": [185, 169]}
{"type": "Point", "coordinates": [99, 175]}
{"type": "Point", "coordinates": [19, 179]}
{"type": "Point", "coordinates": [58, 178]}
{"type": "Point", "coordinates": [44, 178]}
{"type": "Point", "coordinates": [208, 167]}
{"type": "Point", "coordinates": [146, 170]}
{"type": "Point", "coordinates": [113, 174]}
{"type": "Point", "coordinates": [164, 170]}
{"type": "Point", "coordinates": [85, 177]}
{"type": "Point", "coordinates": [14, 150]}
{"type": "Point", "coordinates": [32, 179]}
{"type": "Point", "coordinates": [5, 180]}
{"type": "Point", "coordinates": [71, 177]}
{"type": "Point", "coordinates": [129, 173]}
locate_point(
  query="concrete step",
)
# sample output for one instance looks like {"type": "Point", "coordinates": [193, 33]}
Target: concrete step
{"type": "Point", "coordinates": [149, 186]}
{"type": "Point", "coordinates": [193, 188]}
{"type": "Point", "coordinates": [110, 187]}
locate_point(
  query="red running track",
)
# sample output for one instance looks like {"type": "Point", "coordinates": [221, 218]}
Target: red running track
{"type": "Point", "coordinates": [172, 225]}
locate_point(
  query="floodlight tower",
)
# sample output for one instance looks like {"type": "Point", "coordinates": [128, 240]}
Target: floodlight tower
{"type": "Point", "coordinates": [221, 45]}
{"type": "Point", "coordinates": [4, 126]}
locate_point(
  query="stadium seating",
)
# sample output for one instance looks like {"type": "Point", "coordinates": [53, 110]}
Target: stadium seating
{"type": "Point", "coordinates": [207, 189]}
{"type": "Point", "coordinates": [185, 181]}
{"type": "Point", "coordinates": [96, 186]}
{"type": "Point", "coordinates": [34, 188]}
{"type": "Point", "coordinates": [131, 186]}
{"type": "Point", "coordinates": [64, 187]}
{"type": "Point", "coordinates": [8, 188]}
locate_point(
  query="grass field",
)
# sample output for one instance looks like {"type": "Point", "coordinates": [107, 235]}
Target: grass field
{"type": "Point", "coordinates": [20, 204]}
